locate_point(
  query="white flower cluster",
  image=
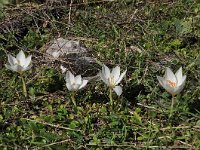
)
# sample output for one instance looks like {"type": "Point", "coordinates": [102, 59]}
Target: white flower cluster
{"type": "Point", "coordinates": [173, 83]}
{"type": "Point", "coordinates": [111, 79]}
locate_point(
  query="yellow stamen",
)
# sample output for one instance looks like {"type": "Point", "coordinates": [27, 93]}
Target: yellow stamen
{"type": "Point", "coordinates": [171, 83]}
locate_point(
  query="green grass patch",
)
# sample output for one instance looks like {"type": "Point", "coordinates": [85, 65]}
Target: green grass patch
{"type": "Point", "coordinates": [144, 37]}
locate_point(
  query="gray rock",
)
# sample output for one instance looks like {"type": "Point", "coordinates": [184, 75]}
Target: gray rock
{"type": "Point", "coordinates": [61, 46]}
{"type": "Point", "coordinates": [73, 56]}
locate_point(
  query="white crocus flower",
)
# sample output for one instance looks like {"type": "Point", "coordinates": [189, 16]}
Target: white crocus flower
{"type": "Point", "coordinates": [113, 78]}
{"type": "Point", "coordinates": [74, 83]}
{"type": "Point", "coordinates": [20, 63]}
{"type": "Point", "coordinates": [172, 83]}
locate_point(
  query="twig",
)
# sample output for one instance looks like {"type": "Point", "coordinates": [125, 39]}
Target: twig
{"type": "Point", "coordinates": [197, 128]}
{"type": "Point", "coordinates": [52, 125]}
{"type": "Point", "coordinates": [140, 146]}
{"type": "Point", "coordinates": [149, 107]}
{"type": "Point", "coordinates": [70, 10]}
{"type": "Point", "coordinates": [145, 73]}
{"type": "Point", "coordinates": [184, 143]}
{"type": "Point", "coordinates": [181, 127]}
{"type": "Point", "coordinates": [56, 143]}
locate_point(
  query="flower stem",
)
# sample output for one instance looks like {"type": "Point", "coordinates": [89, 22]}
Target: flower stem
{"type": "Point", "coordinates": [24, 86]}
{"type": "Point", "coordinates": [111, 98]}
{"type": "Point", "coordinates": [73, 99]}
{"type": "Point", "coordinates": [172, 106]}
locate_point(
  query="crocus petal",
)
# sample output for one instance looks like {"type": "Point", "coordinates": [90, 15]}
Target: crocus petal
{"type": "Point", "coordinates": [180, 88]}
{"type": "Point", "coordinates": [12, 60]}
{"type": "Point", "coordinates": [121, 77]}
{"type": "Point", "coordinates": [27, 68]}
{"type": "Point", "coordinates": [69, 87]}
{"type": "Point", "coordinates": [161, 80]}
{"type": "Point", "coordinates": [83, 84]}
{"type": "Point", "coordinates": [28, 61]}
{"type": "Point", "coordinates": [168, 88]}
{"type": "Point", "coordinates": [164, 84]}
{"type": "Point", "coordinates": [177, 90]}
{"type": "Point", "coordinates": [116, 73]}
{"type": "Point", "coordinates": [183, 79]}
{"type": "Point", "coordinates": [9, 67]}
{"type": "Point", "coordinates": [78, 80]}
{"type": "Point", "coordinates": [106, 71]}
{"type": "Point", "coordinates": [75, 87]}
{"type": "Point", "coordinates": [70, 77]}
{"type": "Point", "coordinates": [179, 76]}
{"type": "Point", "coordinates": [16, 68]}
{"type": "Point", "coordinates": [169, 75]}
{"type": "Point", "coordinates": [103, 78]}
{"type": "Point", "coordinates": [118, 90]}
{"type": "Point", "coordinates": [21, 58]}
